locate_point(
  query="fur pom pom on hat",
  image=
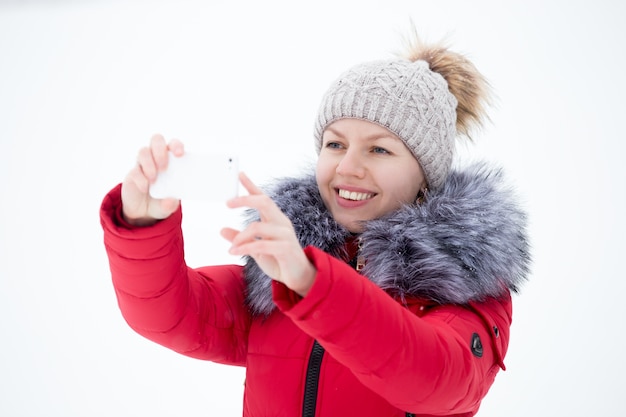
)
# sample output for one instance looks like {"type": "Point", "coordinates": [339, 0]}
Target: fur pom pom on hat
{"type": "Point", "coordinates": [424, 98]}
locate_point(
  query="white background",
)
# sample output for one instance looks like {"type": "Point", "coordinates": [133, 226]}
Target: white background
{"type": "Point", "coordinates": [83, 85]}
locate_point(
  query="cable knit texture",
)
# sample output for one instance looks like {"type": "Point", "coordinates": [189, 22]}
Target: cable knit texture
{"type": "Point", "coordinates": [466, 242]}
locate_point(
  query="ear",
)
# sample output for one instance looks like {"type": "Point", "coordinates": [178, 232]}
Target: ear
{"type": "Point", "coordinates": [422, 195]}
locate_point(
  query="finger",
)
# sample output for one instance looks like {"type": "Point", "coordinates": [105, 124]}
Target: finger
{"type": "Point", "coordinates": [259, 231]}
{"type": "Point", "coordinates": [229, 233]}
{"type": "Point", "coordinates": [161, 208]}
{"type": "Point", "coordinates": [266, 207]}
{"type": "Point", "coordinates": [176, 147]}
{"type": "Point", "coordinates": [168, 206]}
{"type": "Point", "coordinates": [146, 164]}
{"type": "Point", "coordinates": [159, 151]}
{"type": "Point", "coordinates": [256, 231]}
{"type": "Point", "coordinates": [248, 184]}
{"type": "Point", "coordinates": [257, 201]}
{"type": "Point", "coordinates": [138, 179]}
{"type": "Point", "coordinates": [256, 248]}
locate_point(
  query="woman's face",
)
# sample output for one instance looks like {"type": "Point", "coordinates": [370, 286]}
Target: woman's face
{"type": "Point", "coordinates": [364, 172]}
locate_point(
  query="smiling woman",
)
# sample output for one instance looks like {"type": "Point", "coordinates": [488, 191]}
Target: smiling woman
{"type": "Point", "coordinates": [365, 171]}
{"type": "Point", "coordinates": [362, 293]}
{"type": "Point", "coordinates": [83, 85]}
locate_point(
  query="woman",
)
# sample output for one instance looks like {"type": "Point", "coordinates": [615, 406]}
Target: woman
{"type": "Point", "coordinates": [377, 286]}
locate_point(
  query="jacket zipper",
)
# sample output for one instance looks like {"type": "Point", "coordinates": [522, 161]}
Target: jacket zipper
{"type": "Point", "coordinates": [311, 386]}
{"type": "Point", "coordinates": [358, 261]}
{"type": "Point", "coordinates": [312, 380]}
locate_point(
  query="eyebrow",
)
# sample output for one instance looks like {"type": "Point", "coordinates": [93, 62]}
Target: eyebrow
{"type": "Point", "coordinates": [381, 135]}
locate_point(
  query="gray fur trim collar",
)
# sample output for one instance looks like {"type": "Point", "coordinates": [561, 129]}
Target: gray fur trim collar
{"type": "Point", "coordinates": [466, 242]}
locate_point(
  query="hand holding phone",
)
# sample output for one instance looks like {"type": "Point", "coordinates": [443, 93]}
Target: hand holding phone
{"type": "Point", "coordinates": [196, 176]}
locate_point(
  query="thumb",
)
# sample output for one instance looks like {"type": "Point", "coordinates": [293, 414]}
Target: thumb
{"type": "Point", "coordinates": [169, 205]}
{"type": "Point", "coordinates": [163, 208]}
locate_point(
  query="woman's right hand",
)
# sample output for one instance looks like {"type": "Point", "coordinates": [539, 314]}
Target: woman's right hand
{"type": "Point", "coordinates": [138, 207]}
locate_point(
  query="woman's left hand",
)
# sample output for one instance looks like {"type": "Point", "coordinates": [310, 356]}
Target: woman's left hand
{"type": "Point", "coordinates": [272, 241]}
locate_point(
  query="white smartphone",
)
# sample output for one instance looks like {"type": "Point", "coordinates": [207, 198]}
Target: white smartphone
{"type": "Point", "coordinates": [195, 176]}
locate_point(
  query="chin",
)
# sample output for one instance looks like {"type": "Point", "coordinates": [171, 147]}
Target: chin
{"type": "Point", "coordinates": [355, 226]}
{"type": "Point", "coordinates": [349, 222]}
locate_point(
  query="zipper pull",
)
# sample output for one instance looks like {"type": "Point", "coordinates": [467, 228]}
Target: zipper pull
{"type": "Point", "coordinates": [360, 259]}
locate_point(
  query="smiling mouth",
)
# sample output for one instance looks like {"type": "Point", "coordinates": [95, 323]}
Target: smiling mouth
{"type": "Point", "coordinates": [355, 196]}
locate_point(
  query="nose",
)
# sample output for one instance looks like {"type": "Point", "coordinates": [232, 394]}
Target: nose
{"type": "Point", "coordinates": [351, 164]}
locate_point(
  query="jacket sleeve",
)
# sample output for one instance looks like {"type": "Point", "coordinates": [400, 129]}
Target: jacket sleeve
{"type": "Point", "coordinates": [428, 363]}
{"type": "Point", "coordinates": [197, 312]}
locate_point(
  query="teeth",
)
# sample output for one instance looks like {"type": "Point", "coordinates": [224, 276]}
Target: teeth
{"type": "Point", "coordinates": [353, 195]}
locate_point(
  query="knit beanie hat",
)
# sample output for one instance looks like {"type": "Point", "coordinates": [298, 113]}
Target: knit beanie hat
{"type": "Point", "coordinates": [413, 98]}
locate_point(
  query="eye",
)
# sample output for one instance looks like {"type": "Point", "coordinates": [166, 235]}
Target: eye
{"type": "Point", "coordinates": [333, 145]}
{"type": "Point", "coordinates": [379, 150]}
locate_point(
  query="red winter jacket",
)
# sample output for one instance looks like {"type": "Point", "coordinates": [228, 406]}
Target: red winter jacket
{"type": "Point", "coordinates": [348, 347]}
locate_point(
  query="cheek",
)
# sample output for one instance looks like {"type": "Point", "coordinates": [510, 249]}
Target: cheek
{"type": "Point", "coordinates": [323, 171]}
{"type": "Point", "coordinates": [401, 193]}
{"type": "Point", "coordinates": [410, 194]}
{"type": "Point", "coordinates": [404, 191]}
{"type": "Point", "coordinates": [323, 176]}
